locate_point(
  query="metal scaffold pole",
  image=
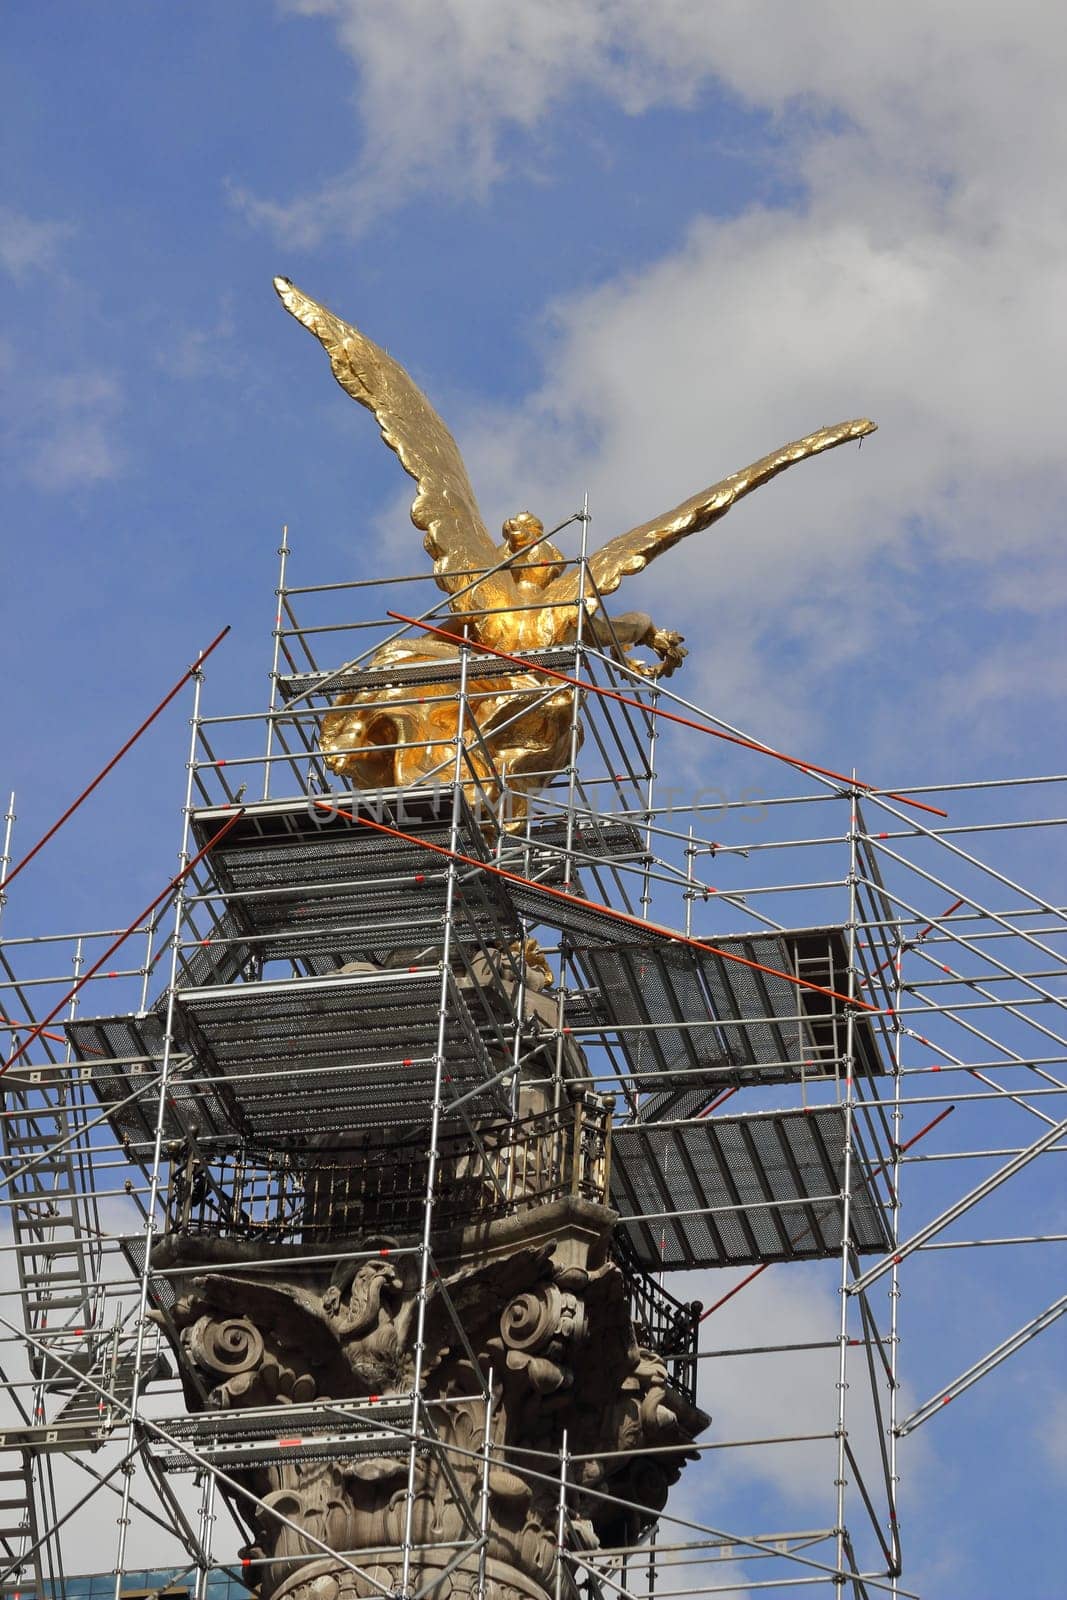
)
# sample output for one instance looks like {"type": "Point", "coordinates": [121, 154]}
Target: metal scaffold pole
{"type": "Point", "coordinates": [433, 1155]}
{"type": "Point", "coordinates": [896, 1172]}
{"type": "Point", "coordinates": [846, 1189]}
{"type": "Point", "coordinates": [283, 561]}
{"type": "Point", "coordinates": [152, 1202]}
{"type": "Point", "coordinates": [408, 1199]}
{"type": "Point", "coordinates": [5, 857]}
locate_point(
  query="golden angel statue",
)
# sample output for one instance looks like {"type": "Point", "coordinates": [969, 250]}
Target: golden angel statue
{"type": "Point", "coordinates": [516, 597]}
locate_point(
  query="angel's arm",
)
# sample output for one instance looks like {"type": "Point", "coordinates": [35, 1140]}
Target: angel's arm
{"type": "Point", "coordinates": [444, 506]}
{"type": "Point", "coordinates": [635, 630]}
{"type": "Point", "coordinates": [631, 552]}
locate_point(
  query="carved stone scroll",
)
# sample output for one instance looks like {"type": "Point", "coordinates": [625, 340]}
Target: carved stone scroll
{"type": "Point", "coordinates": [542, 1307]}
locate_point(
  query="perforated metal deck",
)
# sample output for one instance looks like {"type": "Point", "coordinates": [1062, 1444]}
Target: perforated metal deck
{"type": "Point", "coordinates": [767, 1187]}
{"type": "Point", "coordinates": [803, 1028]}
{"type": "Point", "coordinates": [347, 680]}
{"type": "Point", "coordinates": [231, 1439]}
{"type": "Point", "coordinates": [306, 881]}
{"type": "Point", "coordinates": [275, 1061]}
{"type": "Point", "coordinates": [702, 1018]}
{"type": "Point", "coordinates": [353, 1051]}
{"type": "Point", "coordinates": [122, 1057]}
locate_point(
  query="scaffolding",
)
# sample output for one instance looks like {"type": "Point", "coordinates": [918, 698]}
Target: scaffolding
{"type": "Point", "coordinates": [830, 1055]}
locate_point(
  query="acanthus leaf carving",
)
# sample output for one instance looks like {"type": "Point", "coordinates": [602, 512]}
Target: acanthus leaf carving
{"type": "Point", "coordinates": [559, 1343]}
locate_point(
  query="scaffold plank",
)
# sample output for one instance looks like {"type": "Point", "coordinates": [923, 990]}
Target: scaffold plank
{"type": "Point", "coordinates": [269, 1060]}
{"type": "Point", "coordinates": [295, 1433]}
{"type": "Point", "coordinates": [351, 679]}
{"type": "Point", "coordinates": [122, 1058]}
{"type": "Point", "coordinates": [303, 878]}
{"type": "Point", "coordinates": [740, 1191]}
{"type": "Point", "coordinates": [87, 1418]}
{"type": "Point", "coordinates": [689, 1017]}
{"type": "Point", "coordinates": [358, 1048]}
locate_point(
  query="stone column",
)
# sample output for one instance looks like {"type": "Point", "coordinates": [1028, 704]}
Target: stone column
{"type": "Point", "coordinates": [542, 1306]}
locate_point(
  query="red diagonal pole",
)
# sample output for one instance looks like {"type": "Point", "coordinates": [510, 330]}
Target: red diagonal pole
{"type": "Point", "coordinates": [921, 935]}
{"type": "Point", "coordinates": [21, 1027]}
{"type": "Point", "coordinates": [660, 711]}
{"type": "Point", "coordinates": [110, 951]}
{"type": "Point", "coordinates": [718, 1101]}
{"type": "Point", "coordinates": [807, 1226]}
{"type": "Point", "coordinates": [594, 905]}
{"type": "Point", "coordinates": [115, 759]}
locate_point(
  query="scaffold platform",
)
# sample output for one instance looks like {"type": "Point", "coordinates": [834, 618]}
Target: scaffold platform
{"type": "Point", "coordinates": [687, 1016]}
{"type": "Point", "coordinates": [418, 674]}
{"type": "Point", "coordinates": [269, 1060]}
{"type": "Point", "coordinates": [250, 1438]}
{"type": "Point", "coordinates": [744, 1190]}
{"type": "Point", "coordinates": [305, 878]}
{"type": "Point", "coordinates": [121, 1058]}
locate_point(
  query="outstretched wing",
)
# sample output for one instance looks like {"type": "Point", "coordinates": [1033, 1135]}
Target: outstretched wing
{"type": "Point", "coordinates": [631, 552]}
{"type": "Point", "coordinates": [444, 507]}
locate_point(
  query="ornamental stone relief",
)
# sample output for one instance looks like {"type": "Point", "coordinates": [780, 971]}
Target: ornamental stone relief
{"type": "Point", "coordinates": [541, 1306]}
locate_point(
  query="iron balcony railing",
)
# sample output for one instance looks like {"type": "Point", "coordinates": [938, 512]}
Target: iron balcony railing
{"type": "Point", "coordinates": [311, 1196]}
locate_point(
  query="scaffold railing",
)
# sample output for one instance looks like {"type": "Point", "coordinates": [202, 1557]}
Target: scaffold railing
{"type": "Point", "coordinates": [821, 1028]}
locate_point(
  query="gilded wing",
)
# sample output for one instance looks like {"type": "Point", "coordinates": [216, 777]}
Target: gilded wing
{"type": "Point", "coordinates": [631, 552]}
{"type": "Point", "coordinates": [444, 507]}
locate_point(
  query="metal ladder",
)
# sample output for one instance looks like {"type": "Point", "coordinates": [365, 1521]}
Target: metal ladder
{"type": "Point", "coordinates": [18, 1521]}
{"type": "Point", "coordinates": [55, 1275]}
{"type": "Point", "coordinates": [55, 1259]}
{"type": "Point", "coordinates": [85, 1419]}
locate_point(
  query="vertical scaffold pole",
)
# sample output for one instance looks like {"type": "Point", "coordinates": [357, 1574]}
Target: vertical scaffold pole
{"type": "Point", "coordinates": [516, 1055]}
{"type": "Point", "coordinates": [150, 935]}
{"type": "Point", "coordinates": [86, 1209]}
{"type": "Point", "coordinates": [650, 801]}
{"type": "Point", "coordinates": [5, 859]}
{"type": "Point", "coordinates": [283, 558]}
{"type": "Point", "coordinates": [846, 1178]}
{"type": "Point", "coordinates": [690, 881]}
{"type": "Point", "coordinates": [575, 729]}
{"type": "Point", "coordinates": [894, 1283]}
{"type": "Point", "coordinates": [207, 1516]}
{"type": "Point", "coordinates": [483, 1506]}
{"type": "Point", "coordinates": [435, 1126]}
{"type": "Point", "coordinates": [154, 1181]}
{"type": "Point", "coordinates": [561, 1516]}
{"type": "Point", "coordinates": [572, 772]}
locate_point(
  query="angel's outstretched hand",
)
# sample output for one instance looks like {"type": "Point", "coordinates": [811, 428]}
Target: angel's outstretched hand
{"type": "Point", "coordinates": [668, 646]}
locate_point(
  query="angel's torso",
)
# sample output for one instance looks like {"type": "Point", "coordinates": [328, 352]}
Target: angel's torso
{"type": "Point", "coordinates": [523, 617]}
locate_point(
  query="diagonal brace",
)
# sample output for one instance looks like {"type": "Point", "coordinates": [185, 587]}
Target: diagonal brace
{"type": "Point", "coordinates": [986, 1364]}
{"type": "Point", "coordinates": [987, 1186]}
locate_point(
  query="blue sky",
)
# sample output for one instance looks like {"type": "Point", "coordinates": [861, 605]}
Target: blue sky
{"type": "Point", "coordinates": [626, 248]}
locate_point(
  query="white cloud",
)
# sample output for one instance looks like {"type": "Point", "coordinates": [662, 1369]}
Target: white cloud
{"type": "Point", "coordinates": [208, 351]}
{"type": "Point", "coordinates": [1052, 1435]}
{"type": "Point", "coordinates": [915, 281]}
{"type": "Point", "coordinates": [790, 1393]}
{"type": "Point", "coordinates": [442, 84]}
{"type": "Point", "coordinates": [61, 427]}
{"type": "Point", "coordinates": [27, 245]}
